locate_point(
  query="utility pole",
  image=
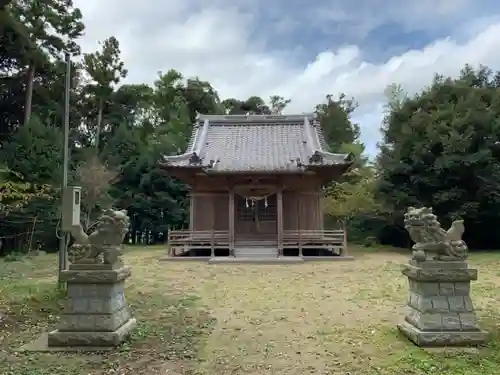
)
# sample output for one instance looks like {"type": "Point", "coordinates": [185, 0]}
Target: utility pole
{"type": "Point", "coordinates": [63, 245]}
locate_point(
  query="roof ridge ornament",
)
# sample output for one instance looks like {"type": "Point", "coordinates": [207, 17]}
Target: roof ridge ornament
{"type": "Point", "coordinates": [317, 157]}
{"type": "Point", "coordinates": [195, 159]}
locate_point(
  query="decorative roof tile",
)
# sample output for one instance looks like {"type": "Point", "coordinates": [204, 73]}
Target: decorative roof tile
{"type": "Point", "coordinates": [256, 143]}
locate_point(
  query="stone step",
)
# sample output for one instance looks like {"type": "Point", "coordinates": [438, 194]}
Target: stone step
{"type": "Point", "coordinates": [256, 255]}
{"type": "Point", "coordinates": [256, 251]}
{"type": "Point", "coordinates": [255, 245]}
{"type": "Point", "coordinates": [252, 252]}
{"type": "Point", "coordinates": [257, 260]}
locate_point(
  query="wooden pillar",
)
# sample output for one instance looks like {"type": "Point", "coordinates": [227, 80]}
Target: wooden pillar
{"type": "Point", "coordinates": [192, 200]}
{"type": "Point", "coordinates": [321, 211]}
{"type": "Point", "coordinates": [298, 197]}
{"type": "Point", "coordinates": [231, 222]}
{"type": "Point", "coordinates": [212, 224]}
{"type": "Point", "coordinates": [279, 219]}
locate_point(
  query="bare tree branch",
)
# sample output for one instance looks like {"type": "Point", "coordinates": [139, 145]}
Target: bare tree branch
{"type": "Point", "coordinates": [95, 178]}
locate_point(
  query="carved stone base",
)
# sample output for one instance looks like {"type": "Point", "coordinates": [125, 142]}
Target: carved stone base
{"type": "Point", "coordinates": [441, 339]}
{"type": "Point", "coordinates": [440, 310]}
{"type": "Point", "coordinates": [92, 339]}
{"type": "Point", "coordinates": [96, 312]}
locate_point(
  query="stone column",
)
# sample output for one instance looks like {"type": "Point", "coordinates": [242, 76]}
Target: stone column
{"type": "Point", "coordinates": [440, 309]}
{"type": "Point", "coordinates": [96, 312]}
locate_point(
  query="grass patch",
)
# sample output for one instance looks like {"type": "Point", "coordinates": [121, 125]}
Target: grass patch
{"type": "Point", "coordinates": [200, 319]}
{"type": "Point", "coordinates": [166, 341]}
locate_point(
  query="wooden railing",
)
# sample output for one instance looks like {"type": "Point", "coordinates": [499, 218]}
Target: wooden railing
{"type": "Point", "coordinates": [333, 239]}
{"type": "Point", "coordinates": [180, 241]}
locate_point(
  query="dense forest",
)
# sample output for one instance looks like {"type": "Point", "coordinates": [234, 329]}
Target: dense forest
{"type": "Point", "coordinates": [439, 147]}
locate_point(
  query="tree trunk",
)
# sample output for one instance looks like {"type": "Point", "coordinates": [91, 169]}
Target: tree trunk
{"type": "Point", "coordinates": [99, 124]}
{"type": "Point", "coordinates": [29, 94]}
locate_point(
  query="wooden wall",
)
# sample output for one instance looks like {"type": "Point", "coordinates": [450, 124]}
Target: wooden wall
{"type": "Point", "coordinates": [209, 211]}
{"type": "Point", "coordinates": [302, 210]}
{"type": "Point", "coordinates": [302, 206]}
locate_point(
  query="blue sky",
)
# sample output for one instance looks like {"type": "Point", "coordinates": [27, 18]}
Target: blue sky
{"type": "Point", "coordinates": [301, 49]}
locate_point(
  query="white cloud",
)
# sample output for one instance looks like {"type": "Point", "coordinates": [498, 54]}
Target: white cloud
{"type": "Point", "coordinates": [217, 45]}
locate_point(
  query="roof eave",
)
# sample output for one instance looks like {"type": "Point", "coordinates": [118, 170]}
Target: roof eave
{"type": "Point", "coordinates": [319, 157]}
{"type": "Point", "coordinates": [255, 172]}
{"type": "Point", "coordinates": [191, 157]}
{"type": "Point", "coordinates": [249, 118]}
{"type": "Point", "coordinates": [329, 173]}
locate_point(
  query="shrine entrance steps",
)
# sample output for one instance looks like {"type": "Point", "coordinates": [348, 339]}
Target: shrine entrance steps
{"type": "Point", "coordinates": [255, 252]}
{"type": "Point", "coordinates": [256, 260]}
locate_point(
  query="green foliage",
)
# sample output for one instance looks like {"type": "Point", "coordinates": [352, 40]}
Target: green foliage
{"type": "Point", "coordinates": [105, 70]}
{"type": "Point", "coordinates": [335, 118]}
{"type": "Point", "coordinates": [353, 195]}
{"type": "Point", "coordinates": [15, 193]}
{"type": "Point", "coordinates": [52, 25]}
{"type": "Point", "coordinates": [347, 199]}
{"type": "Point", "coordinates": [21, 205]}
{"type": "Point", "coordinates": [278, 103]}
{"type": "Point", "coordinates": [254, 105]}
{"type": "Point", "coordinates": [35, 152]}
{"type": "Point", "coordinates": [49, 28]}
{"type": "Point", "coordinates": [441, 149]}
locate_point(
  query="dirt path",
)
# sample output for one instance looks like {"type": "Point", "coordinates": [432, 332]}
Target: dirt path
{"type": "Point", "coordinates": [295, 319]}
{"type": "Point", "coordinates": [199, 319]}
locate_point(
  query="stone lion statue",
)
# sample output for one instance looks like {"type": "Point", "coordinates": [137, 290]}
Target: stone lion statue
{"type": "Point", "coordinates": [425, 230]}
{"type": "Point", "coordinates": [104, 242]}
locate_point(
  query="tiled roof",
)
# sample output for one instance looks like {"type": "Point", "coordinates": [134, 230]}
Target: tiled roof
{"type": "Point", "coordinates": [256, 143]}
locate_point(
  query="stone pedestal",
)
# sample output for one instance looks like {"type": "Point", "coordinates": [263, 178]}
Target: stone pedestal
{"type": "Point", "coordinates": [441, 312]}
{"type": "Point", "coordinates": [96, 312]}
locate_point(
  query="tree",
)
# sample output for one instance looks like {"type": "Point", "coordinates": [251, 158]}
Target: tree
{"type": "Point", "coordinates": [201, 97]}
{"type": "Point", "coordinates": [438, 148]}
{"type": "Point", "coordinates": [14, 39]}
{"type": "Point", "coordinates": [335, 119]}
{"type": "Point", "coordinates": [132, 105]}
{"type": "Point", "coordinates": [278, 103]}
{"type": "Point", "coordinates": [254, 105]}
{"type": "Point", "coordinates": [172, 117]}
{"type": "Point", "coordinates": [18, 219]}
{"type": "Point", "coordinates": [105, 69]}
{"type": "Point", "coordinates": [354, 204]}
{"type": "Point", "coordinates": [15, 194]}
{"type": "Point", "coordinates": [95, 178]}
{"type": "Point", "coordinates": [34, 151]}
{"type": "Point", "coordinates": [345, 200]}
{"type": "Point", "coordinates": [395, 96]}
{"type": "Point", "coordinates": [51, 26]}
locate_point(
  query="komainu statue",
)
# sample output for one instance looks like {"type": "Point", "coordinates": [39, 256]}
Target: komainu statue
{"type": "Point", "coordinates": [104, 244]}
{"type": "Point", "coordinates": [425, 230]}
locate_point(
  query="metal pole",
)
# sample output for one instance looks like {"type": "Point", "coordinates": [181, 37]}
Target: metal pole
{"type": "Point", "coordinates": [63, 250]}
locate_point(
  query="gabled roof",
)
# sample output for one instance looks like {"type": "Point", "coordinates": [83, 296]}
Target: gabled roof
{"type": "Point", "coordinates": [256, 143]}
